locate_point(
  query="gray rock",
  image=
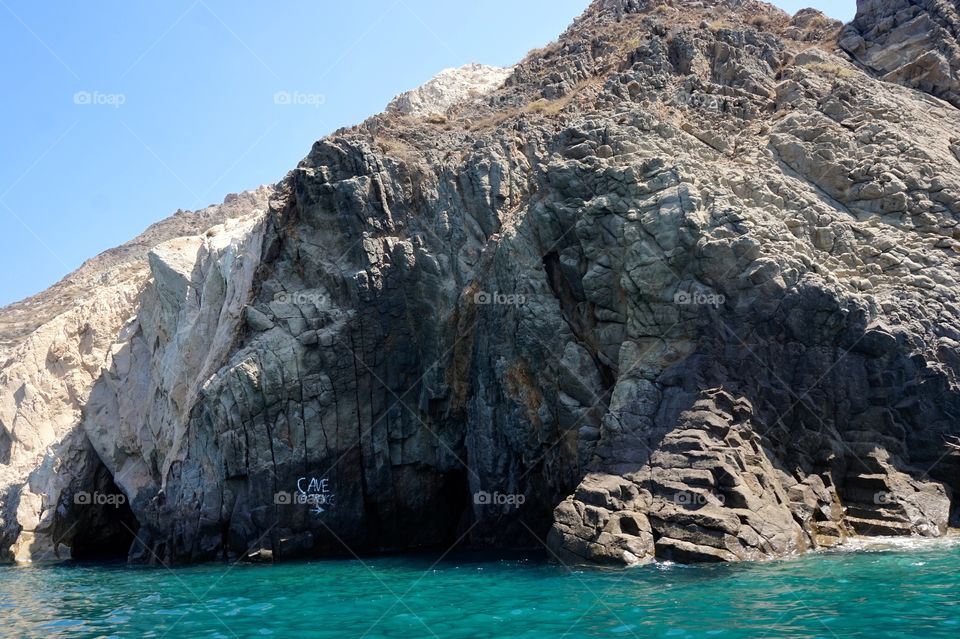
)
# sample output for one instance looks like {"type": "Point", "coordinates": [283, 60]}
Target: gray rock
{"type": "Point", "coordinates": [914, 43]}
{"type": "Point", "coordinates": [672, 291]}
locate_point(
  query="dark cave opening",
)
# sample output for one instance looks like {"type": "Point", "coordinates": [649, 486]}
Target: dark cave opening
{"type": "Point", "coordinates": [457, 506]}
{"type": "Point", "coordinates": [106, 526]}
{"type": "Point", "coordinates": [437, 522]}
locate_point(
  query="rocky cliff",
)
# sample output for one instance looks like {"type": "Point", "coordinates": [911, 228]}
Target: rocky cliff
{"type": "Point", "coordinates": [682, 286]}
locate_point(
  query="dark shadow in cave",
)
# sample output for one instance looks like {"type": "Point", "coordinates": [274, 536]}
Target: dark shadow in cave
{"type": "Point", "coordinates": [106, 526]}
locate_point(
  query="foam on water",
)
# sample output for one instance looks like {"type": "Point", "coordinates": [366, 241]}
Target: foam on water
{"type": "Point", "coordinates": [879, 544]}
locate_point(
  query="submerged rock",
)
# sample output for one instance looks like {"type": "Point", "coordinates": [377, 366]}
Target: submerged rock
{"type": "Point", "coordinates": [683, 286]}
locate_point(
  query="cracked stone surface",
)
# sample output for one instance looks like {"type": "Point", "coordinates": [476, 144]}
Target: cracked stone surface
{"type": "Point", "coordinates": [683, 286]}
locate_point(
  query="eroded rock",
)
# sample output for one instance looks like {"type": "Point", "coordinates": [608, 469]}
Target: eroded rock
{"type": "Point", "coordinates": [683, 287]}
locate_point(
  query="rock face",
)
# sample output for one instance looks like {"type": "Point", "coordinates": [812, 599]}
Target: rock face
{"type": "Point", "coordinates": [914, 42]}
{"type": "Point", "coordinates": [449, 87]}
{"type": "Point", "coordinates": [49, 377]}
{"type": "Point", "coordinates": [683, 287]}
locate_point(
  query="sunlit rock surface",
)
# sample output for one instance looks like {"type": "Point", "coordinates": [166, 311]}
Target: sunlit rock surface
{"type": "Point", "coordinates": [682, 285]}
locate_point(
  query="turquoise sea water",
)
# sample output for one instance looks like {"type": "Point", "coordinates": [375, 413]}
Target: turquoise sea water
{"type": "Point", "coordinates": [909, 589]}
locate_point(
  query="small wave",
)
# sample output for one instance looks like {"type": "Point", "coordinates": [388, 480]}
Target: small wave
{"type": "Point", "coordinates": [880, 544]}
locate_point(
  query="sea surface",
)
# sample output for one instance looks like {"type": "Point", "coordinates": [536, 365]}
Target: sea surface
{"type": "Point", "coordinates": [876, 589]}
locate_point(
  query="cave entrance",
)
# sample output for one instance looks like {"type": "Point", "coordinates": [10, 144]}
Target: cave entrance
{"type": "Point", "coordinates": [106, 526]}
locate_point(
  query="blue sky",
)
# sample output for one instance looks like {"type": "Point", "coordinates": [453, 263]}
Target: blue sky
{"type": "Point", "coordinates": [115, 114]}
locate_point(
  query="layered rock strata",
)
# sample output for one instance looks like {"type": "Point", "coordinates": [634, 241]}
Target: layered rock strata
{"type": "Point", "coordinates": [683, 287]}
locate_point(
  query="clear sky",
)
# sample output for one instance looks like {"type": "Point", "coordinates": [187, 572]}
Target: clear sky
{"type": "Point", "coordinates": [116, 113]}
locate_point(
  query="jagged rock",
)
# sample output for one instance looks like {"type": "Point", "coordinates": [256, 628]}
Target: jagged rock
{"type": "Point", "coordinates": [683, 286]}
{"type": "Point", "coordinates": [914, 42]}
{"type": "Point", "coordinates": [449, 87]}
{"type": "Point", "coordinates": [50, 378]}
